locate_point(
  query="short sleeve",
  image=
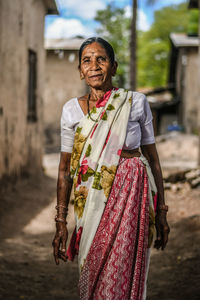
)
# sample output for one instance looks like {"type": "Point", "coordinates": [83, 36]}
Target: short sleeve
{"type": "Point", "coordinates": [147, 132]}
{"type": "Point", "coordinates": [67, 131]}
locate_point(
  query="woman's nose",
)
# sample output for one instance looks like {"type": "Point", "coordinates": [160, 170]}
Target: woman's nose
{"type": "Point", "coordinates": [94, 65]}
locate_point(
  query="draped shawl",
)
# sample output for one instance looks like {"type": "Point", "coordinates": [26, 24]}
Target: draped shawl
{"type": "Point", "coordinates": [98, 142]}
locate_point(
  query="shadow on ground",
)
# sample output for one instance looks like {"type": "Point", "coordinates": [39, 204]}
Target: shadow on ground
{"type": "Point", "coordinates": [175, 273]}
{"type": "Point", "coordinates": [27, 268]}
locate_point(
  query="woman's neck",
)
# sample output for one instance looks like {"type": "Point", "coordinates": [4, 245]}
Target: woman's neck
{"type": "Point", "coordinates": [96, 94]}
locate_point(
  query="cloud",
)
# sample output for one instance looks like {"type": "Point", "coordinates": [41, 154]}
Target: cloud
{"type": "Point", "coordinates": [142, 22]}
{"type": "Point", "coordinates": [67, 28]}
{"type": "Point", "coordinates": [80, 8]}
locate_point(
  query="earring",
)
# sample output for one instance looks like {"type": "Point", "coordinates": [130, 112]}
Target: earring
{"type": "Point", "coordinates": [81, 76]}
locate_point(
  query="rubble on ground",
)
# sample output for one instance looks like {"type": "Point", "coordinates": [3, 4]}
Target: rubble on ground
{"type": "Point", "coordinates": [174, 181]}
{"type": "Point", "coordinates": [178, 153]}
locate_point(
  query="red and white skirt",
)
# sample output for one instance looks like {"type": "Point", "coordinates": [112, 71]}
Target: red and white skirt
{"type": "Point", "coordinates": [116, 265]}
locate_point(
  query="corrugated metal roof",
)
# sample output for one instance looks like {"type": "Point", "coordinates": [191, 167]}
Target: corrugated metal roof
{"type": "Point", "coordinates": [183, 40]}
{"type": "Point", "coordinates": [63, 44]}
{"type": "Point", "coordinates": [51, 7]}
{"type": "Point", "coordinates": [193, 4]}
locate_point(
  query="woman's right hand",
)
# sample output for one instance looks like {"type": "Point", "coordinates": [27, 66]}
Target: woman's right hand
{"type": "Point", "coordinates": [59, 242]}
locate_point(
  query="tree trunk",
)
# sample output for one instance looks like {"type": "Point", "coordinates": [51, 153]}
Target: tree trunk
{"type": "Point", "coordinates": [133, 47]}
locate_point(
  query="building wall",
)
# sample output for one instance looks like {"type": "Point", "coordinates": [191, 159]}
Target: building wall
{"type": "Point", "coordinates": [21, 28]}
{"type": "Point", "coordinates": [191, 94]}
{"type": "Point", "coordinates": [187, 87]}
{"type": "Point", "coordinates": [62, 83]}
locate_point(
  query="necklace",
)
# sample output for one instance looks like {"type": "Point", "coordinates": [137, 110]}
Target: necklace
{"type": "Point", "coordinates": [88, 105]}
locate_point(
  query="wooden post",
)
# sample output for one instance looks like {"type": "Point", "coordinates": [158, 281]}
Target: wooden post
{"type": "Point", "coordinates": [133, 47]}
{"type": "Point", "coordinates": [199, 85]}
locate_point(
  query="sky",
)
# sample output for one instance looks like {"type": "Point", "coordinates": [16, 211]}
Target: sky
{"type": "Point", "coordinates": [77, 16]}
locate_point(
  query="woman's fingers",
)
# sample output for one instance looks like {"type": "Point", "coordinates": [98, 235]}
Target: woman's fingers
{"type": "Point", "coordinates": [162, 236]}
{"type": "Point", "coordinates": [62, 255]}
{"type": "Point", "coordinates": [55, 245]}
{"type": "Point", "coordinates": [158, 241]}
{"type": "Point", "coordinates": [63, 248]}
{"type": "Point", "coordinates": [166, 231]}
{"type": "Point", "coordinates": [59, 244]}
{"type": "Point", "coordinates": [59, 253]}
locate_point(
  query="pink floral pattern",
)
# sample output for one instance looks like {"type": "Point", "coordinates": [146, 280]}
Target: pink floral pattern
{"type": "Point", "coordinates": [119, 152]}
{"type": "Point", "coordinates": [73, 248]}
{"type": "Point", "coordinates": [82, 170]}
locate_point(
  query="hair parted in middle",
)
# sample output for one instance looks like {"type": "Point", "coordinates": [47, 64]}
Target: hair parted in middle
{"type": "Point", "coordinates": [103, 43]}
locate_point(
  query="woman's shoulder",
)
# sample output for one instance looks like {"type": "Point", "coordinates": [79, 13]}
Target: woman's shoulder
{"type": "Point", "coordinates": [138, 97]}
{"type": "Point", "coordinates": [71, 103]}
{"type": "Point", "coordinates": [71, 112]}
{"type": "Point", "coordinates": [138, 101]}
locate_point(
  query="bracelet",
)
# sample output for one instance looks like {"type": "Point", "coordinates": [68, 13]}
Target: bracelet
{"type": "Point", "coordinates": [60, 205]}
{"type": "Point", "coordinates": [163, 207]}
{"type": "Point", "coordinates": [57, 219]}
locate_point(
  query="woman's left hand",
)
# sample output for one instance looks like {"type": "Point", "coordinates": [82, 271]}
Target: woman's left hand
{"type": "Point", "coordinates": [162, 229]}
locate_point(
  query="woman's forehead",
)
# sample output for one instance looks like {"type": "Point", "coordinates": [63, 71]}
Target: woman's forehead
{"type": "Point", "coordinates": [93, 49]}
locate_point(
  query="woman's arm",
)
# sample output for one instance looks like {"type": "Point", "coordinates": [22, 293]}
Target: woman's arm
{"type": "Point", "coordinates": [64, 186]}
{"type": "Point", "coordinates": [151, 155]}
{"type": "Point", "coordinates": [150, 152]}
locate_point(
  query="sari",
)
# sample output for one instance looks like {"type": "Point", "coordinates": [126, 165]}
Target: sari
{"type": "Point", "coordinates": [113, 204]}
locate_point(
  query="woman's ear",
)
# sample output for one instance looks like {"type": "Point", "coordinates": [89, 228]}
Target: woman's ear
{"type": "Point", "coordinates": [81, 74]}
{"type": "Point", "coordinates": [114, 68]}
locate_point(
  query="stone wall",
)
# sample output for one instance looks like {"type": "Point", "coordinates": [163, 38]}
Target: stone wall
{"type": "Point", "coordinates": [21, 29]}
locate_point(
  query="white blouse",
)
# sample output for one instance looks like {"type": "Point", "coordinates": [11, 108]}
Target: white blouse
{"type": "Point", "coordinates": [139, 129]}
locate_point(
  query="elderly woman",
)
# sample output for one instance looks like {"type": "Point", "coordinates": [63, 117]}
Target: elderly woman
{"type": "Point", "coordinates": [118, 189]}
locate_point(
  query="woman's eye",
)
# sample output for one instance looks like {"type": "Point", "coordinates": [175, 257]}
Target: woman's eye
{"type": "Point", "coordinates": [101, 58]}
{"type": "Point", "coordinates": [86, 60]}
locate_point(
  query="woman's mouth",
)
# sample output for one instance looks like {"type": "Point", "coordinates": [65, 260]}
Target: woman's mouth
{"type": "Point", "coordinates": [97, 76]}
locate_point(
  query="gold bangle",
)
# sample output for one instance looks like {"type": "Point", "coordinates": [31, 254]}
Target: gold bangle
{"type": "Point", "coordinates": [60, 205]}
{"type": "Point", "coordinates": [57, 219]}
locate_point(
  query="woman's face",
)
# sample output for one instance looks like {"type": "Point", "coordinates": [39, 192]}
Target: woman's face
{"type": "Point", "coordinates": [96, 67]}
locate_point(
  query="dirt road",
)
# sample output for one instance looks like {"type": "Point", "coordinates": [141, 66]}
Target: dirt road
{"type": "Point", "coordinates": [27, 269]}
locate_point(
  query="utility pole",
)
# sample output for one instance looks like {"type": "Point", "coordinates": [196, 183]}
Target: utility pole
{"type": "Point", "coordinates": [199, 85]}
{"type": "Point", "coordinates": [133, 47]}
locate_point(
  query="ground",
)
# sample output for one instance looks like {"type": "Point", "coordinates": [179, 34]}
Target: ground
{"type": "Point", "coordinates": [27, 268]}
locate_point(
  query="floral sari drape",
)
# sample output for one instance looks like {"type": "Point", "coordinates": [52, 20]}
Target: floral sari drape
{"type": "Point", "coordinates": [98, 141]}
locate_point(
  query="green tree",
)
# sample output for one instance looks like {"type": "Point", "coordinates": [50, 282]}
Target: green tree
{"type": "Point", "coordinates": [154, 45]}
{"type": "Point", "coordinates": [133, 43]}
{"type": "Point", "coordinates": [114, 27]}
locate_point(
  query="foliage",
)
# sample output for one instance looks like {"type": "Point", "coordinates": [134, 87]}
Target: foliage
{"type": "Point", "coordinates": [193, 22]}
{"type": "Point", "coordinates": [153, 45]}
{"type": "Point", "coordinates": [114, 27]}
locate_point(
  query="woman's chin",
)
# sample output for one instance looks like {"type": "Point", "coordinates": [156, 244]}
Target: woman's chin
{"type": "Point", "coordinates": [96, 84]}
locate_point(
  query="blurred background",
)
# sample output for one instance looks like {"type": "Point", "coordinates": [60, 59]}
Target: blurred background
{"type": "Point", "coordinates": [157, 46]}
